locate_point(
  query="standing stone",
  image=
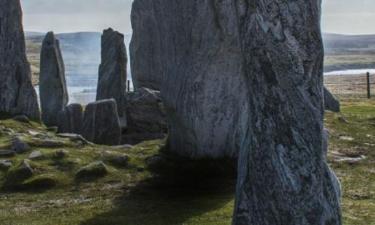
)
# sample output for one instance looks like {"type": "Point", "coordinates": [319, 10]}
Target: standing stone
{"type": "Point", "coordinates": [70, 119]}
{"type": "Point", "coordinates": [146, 116]}
{"type": "Point", "coordinates": [17, 95]}
{"type": "Point", "coordinates": [330, 102]}
{"type": "Point", "coordinates": [246, 75]}
{"type": "Point", "coordinates": [190, 51]}
{"type": "Point", "coordinates": [52, 85]}
{"type": "Point", "coordinates": [112, 71]}
{"type": "Point", "coordinates": [283, 174]}
{"type": "Point", "coordinates": [101, 123]}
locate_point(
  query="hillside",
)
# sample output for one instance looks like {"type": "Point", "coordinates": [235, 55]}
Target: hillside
{"type": "Point", "coordinates": [349, 52]}
{"type": "Point", "coordinates": [145, 185]}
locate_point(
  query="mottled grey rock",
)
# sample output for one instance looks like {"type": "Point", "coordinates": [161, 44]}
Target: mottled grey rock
{"type": "Point", "coordinates": [74, 137]}
{"type": "Point", "coordinates": [52, 83]}
{"type": "Point", "coordinates": [283, 175]}
{"type": "Point", "coordinates": [120, 160]}
{"type": "Point", "coordinates": [35, 155]}
{"type": "Point", "coordinates": [70, 119]}
{"type": "Point", "coordinates": [112, 71]}
{"type": "Point", "coordinates": [7, 153]}
{"type": "Point", "coordinates": [190, 51]}
{"type": "Point", "coordinates": [93, 170]}
{"type": "Point", "coordinates": [60, 154]}
{"type": "Point", "coordinates": [5, 165]}
{"type": "Point", "coordinates": [101, 123]}
{"type": "Point", "coordinates": [47, 143]}
{"type": "Point", "coordinates": [330, 102]}
{"type": "Point", "coordinates": [22, 172]}
{"type": "Point", "coordinates": [146, 117]}
{"type": "Point", "coordinates": [19, 146]}
{"type": "Point", "coordinates": [21, 118]}
{"type": "Point", "coordinates": [17, 95]}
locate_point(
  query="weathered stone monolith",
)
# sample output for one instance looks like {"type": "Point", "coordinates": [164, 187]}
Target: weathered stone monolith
{"type": "Point", "coordinates": [101, 123]}
{"type": "Point", "coordinates": [245, 75]}
{"type": "Point", "coordinates": [112, 71]}
{"type": "Point", "coordinates": [17, 95]}
{"type": "Point", "coordinates": [283, 175]}
{"type": "Point", "coordinates": [190, 51]}
{"type": "Point", "coordinates": [52, 85]}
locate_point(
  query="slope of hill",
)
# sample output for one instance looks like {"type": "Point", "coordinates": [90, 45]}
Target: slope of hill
{"type": "Point", "coordinates": [349, 52]}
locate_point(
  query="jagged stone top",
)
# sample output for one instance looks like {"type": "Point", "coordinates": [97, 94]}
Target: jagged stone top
{"type": "Point", "coordinates": [113, 44]}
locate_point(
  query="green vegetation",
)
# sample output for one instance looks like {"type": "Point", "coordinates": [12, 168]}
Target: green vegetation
{"type": "Point", "coordinates": [145, 186]}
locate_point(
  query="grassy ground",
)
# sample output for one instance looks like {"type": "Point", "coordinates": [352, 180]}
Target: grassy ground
{"type": "Point", "coordinates": [135, 195]}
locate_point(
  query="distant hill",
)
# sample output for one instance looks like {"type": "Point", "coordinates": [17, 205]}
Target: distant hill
{"type": "Point", "coordinates": [349, 52]}
{"type": "Point", "coordinates": [337, 43]}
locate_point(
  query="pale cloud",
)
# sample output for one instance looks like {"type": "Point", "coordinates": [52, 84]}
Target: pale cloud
{"type": "Point", "coordinates": [339, 16]}
{"type": "Point", "coordinates": [348, 16]}
{"type": "Point", "coordinates": [76, 15]}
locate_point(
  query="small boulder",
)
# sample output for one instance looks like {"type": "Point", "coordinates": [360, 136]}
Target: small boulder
{"type": "Point", "coordinates": [60, 154]}
{"type": "Point", "coordinates": [70, 119]}
{"type": "Point", "coordinates": [22, 119]}
{"type": "Point", "coordinates": [93, 170]}
{"type": "Point", "coordinates": [7, 153]}
{"type": "Point", "coordinates": [330, 102]}
{"type": "Point", "coordinates": [16, 176]}
{"type": "Point", "coordinates": [35, 155]}
{"type": "Point", "coordinates": [117, 160]}
{"type": "Point", "coordinates": [101, 123]}
{"type": "Point", "coordinates": [20, 146]}
{"type": "Point", "coordinates": [53, 129]}
{"type": "Point", "coordinates": [5, 165]}
{"type": "Point", "coordinates": [44, 181]}
{"type": "Point", "coordinates": [47, 143]}
{"type": "Point", "coordinates": [74, 137]}
{"type": "Point", "coordinates": [146, 116]}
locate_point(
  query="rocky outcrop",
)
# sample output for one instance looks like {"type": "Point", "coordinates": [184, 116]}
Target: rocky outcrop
{"type": "Point", "coordinates": [112, 71]}
{"type": "Point", "coordinates": [101, 123]}
{"type": "Point", "coordinates": [246, 75]}
{"type": "Point", "coordinates": [70, 119]}
{"type": "Point", "coordinates": [145, 115]}
{"type": "Point", "coordinates": [185, 50]}
{"type": "Point", "coordinates": [283, 174]}
{"type": "Point", "coordinates": [52, 85]}
{"type": "Point", "coordinates": [17, 95]}
{"type": "Point", "coordinates": [330, 102]}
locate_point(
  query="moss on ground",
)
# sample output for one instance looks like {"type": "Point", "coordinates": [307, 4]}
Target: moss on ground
{"type": "Point", "coordinates": [150, 188]}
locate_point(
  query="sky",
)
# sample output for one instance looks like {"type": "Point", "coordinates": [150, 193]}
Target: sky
{"type": "Point", "coordinates": [339, 16]}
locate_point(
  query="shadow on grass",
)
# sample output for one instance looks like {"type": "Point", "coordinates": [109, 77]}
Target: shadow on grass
{"type": "Point", "coordinates": [175, 195]}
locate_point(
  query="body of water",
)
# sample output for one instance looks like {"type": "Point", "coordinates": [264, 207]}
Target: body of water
{"type": "Point", "coordinates": [350, 72]}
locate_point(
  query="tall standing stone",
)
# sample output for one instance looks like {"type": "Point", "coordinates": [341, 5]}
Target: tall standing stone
{"type": "Point", "coordinates": [283, 174]}
{"type": "Point", "coordinates": [112, 70]}
{"type": "Point", "coordinates": [246, 75]}
{"type": "Point", "coordinates": [190, 51]}
{"type": "Point", "coordinates": [52, 85]}
{"type": "Point", "coordinates": [17, 95]}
